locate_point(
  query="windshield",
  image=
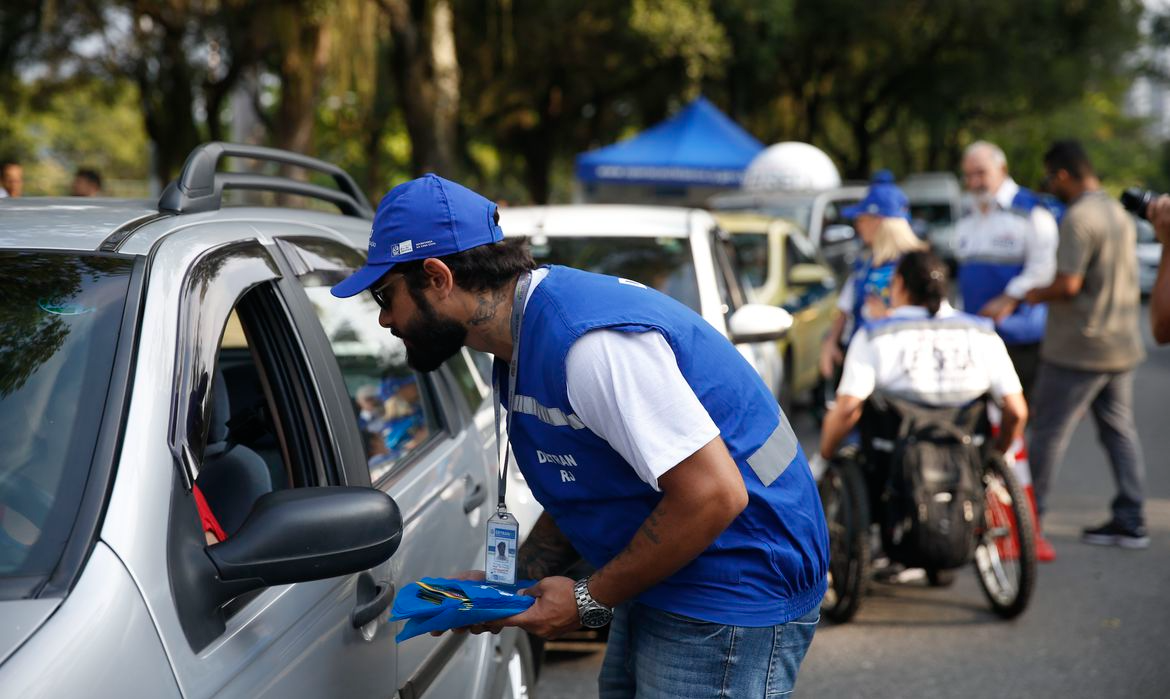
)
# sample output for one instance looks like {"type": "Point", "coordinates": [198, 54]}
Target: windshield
{"type": "Point", "coordinates": [663, 263]}
{"type": "Point", "coordinates": [59, 326]}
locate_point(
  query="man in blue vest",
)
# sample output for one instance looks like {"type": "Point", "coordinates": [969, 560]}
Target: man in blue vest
{"type": "Point", "coordinates": [1006, 247]}
{"type": "Point", "coordinates": [656, 451]}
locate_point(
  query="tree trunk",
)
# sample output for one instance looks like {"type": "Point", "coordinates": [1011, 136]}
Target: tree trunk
{"type": "Point", "coordinates": [167, 105]}
{"type": "Point", "coordinates": [304, 48]}
{"type": "Point", "coordinates": [427, 73]}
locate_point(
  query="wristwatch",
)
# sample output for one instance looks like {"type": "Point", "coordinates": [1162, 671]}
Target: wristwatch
{"type": "Point", "coordinates": [593, 614]}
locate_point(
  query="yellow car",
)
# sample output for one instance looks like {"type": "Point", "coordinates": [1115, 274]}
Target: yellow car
{"type": "Point", "coordinates": [780, 266]}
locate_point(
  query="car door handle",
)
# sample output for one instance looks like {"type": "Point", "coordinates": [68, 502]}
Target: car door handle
{"type": "Point", "coordinates": [476, 495]}
{"type": "Point", "coordinates": [373, 598]}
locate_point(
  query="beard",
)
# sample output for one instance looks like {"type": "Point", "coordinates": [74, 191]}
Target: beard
{"type": "Point", "coordinates": [431, 339]}
{"type": "Point", "coordinates": [984, 200]}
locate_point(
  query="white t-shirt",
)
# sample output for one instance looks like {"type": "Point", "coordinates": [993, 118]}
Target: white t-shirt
{"type": "Point", "coordinates": [928, 362]}
{"type": "Point", "coordinates": [627, 388]}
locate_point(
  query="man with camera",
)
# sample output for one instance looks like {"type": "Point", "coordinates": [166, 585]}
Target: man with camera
{"type": "Point", "coordinates": [1092, 343]}
{"type": "Point", "coordinates": [1158, 213]}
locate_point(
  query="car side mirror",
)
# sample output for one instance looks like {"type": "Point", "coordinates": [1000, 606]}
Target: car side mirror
{"type": "Point", "coordinates": [758, 322]}
{"type": "Point", "coordinates": [807, 274]}
{"type": "Point", "coordinates": [837, 233]}
{"type": "Point", "coordinates": [304, 534]}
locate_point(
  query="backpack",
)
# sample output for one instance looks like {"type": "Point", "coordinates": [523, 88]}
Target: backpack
{"type": "Point", "coordinates": [932, 498]}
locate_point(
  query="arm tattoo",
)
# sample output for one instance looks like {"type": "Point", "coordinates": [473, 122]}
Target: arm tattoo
{"type": "Point", "coordinates": [546, 551]}
{"type": "Point", "coordinates": [650, 525]}
{"type": "Point", "coordinates": [488, 303]}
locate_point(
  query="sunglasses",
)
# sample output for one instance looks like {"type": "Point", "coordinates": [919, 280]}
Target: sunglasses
{"type": "Point", "coordinates": [382, 293]}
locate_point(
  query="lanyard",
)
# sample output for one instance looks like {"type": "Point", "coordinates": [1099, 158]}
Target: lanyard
{"type": "Point", "coordinates": [522, 286]}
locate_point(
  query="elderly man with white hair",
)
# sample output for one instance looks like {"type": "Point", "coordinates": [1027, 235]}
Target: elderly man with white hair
{"type": "Point", "coordinates": [1006, 247]}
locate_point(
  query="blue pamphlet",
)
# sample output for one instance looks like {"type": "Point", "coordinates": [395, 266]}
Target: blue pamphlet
{"type": "Point", "coordinates": [441, 604]}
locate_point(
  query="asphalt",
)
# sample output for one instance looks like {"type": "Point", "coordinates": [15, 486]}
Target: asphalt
{"type": "Point", "coordinates": [1098, 624]}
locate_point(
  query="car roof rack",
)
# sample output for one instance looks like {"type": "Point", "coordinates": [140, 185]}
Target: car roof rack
{"type": "Point", "coordinates": [200, 188]}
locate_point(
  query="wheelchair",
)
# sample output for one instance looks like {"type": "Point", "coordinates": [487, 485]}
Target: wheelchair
{"type": "Point", "coordinates": [869, 514]}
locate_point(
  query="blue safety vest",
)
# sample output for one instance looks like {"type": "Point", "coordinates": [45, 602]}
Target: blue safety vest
{"type": "Point", "coordinates": [870, 280]}
{"type": "Point", "coordinates": [982, 280]}
{"type": "Point", "coordinates": [768, 566]}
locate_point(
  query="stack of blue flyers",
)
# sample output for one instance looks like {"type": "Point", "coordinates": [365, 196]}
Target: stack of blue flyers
{"type": "Point", "coordinates": [440, 604]}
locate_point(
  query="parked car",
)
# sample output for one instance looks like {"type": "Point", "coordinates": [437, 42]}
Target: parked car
{"type": "Point", "coordinates": [818, 213]}
{"type": "Point", "coordinates": [780, 266]}
{"type": "Point", "coordinates": [156, 354]}
{"type": "Point", "coordinates": [1149, 252]}
{"type": "Point", "coordinates": [674, 250]}
{"type": "Point", "coordinates": [936, 204]}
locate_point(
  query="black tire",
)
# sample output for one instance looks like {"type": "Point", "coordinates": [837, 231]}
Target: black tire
{"type": "Point", "coordinates": [846, 503]}
{"type": "Point", "coordinates": [1005, 552]}
{"type": "Point", "coordinates": [940, 578]}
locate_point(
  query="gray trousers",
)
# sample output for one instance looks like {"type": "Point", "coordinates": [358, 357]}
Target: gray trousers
{"type": "Point", "coordinates": [1060, 398]}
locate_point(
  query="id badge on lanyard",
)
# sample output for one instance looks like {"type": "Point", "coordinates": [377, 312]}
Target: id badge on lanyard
{"type": "Point", "coordinates": [503, 531]}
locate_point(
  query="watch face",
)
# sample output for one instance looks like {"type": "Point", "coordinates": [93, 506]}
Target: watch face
{"type": "Point", "coordinates": [596, 618]}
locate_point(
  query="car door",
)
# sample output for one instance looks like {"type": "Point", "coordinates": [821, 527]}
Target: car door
{"type": "Point", "coordinates": [215, 318]}
{"type": "Point", "coordinates": [764, 356]}
{"type": "Point", "coordinates": [420, 448]}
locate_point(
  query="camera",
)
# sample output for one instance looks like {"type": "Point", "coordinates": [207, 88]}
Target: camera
{"type": "Point", "coordinates": [1137, 200]}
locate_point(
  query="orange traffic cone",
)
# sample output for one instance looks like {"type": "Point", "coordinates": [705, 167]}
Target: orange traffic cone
{"type": "Point", "coordinates": [1023, 470]}
{"type": "Point", "coordinates": [1017, 457]}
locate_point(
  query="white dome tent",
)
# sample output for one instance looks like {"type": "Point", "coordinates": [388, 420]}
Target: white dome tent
{"type": "Point", "coordinates": [791, 166]}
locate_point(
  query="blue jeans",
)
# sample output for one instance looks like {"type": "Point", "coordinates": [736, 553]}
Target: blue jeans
{"type": "Point", "coordinates": [654, 654]}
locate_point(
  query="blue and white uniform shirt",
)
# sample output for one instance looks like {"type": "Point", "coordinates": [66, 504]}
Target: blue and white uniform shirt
{"type": "Point", "coordinates": [1010, 249]}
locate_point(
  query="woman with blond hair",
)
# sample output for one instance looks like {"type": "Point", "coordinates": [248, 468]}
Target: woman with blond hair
{"type": "Point", "coordinates": [882, 221]}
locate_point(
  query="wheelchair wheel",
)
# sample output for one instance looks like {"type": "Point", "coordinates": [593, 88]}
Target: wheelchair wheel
{"type": "Point", "coordinates": [1005, 551]}
{"type": "Point", "coordinates": [846, 503]}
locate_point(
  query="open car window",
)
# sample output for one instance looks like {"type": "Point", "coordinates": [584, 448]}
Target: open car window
{"type": "Point", "coordinates": [395, 408]}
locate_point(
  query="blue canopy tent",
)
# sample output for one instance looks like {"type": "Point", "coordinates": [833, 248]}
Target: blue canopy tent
{"type": "Point", "coordinates": [699, 146]}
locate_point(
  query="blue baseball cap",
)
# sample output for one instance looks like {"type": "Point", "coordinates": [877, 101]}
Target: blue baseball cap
{"type": "Point", "coordinates": [426, 217]}
{"type": "Point", "coordinates": [883, 198]}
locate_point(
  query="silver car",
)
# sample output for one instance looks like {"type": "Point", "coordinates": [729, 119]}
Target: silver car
{"type": "Point", "coordinates": [213, 474]}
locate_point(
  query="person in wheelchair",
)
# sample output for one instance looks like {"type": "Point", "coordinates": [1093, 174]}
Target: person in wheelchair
{"type": "Point", "coordinates": [927, 353]}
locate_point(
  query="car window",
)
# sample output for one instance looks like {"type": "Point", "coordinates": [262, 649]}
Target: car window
{"type": "Point", "coordinates": [664, 263]}
{"type": "Point", "coordinates": [473, 385]}
{"type": "Point", "coordinates": [750, 253]}
{"type": "Point", "coordinates": [395, 409]}
{"type": "Point", "coordinates": [797, 253]}
{"type": "Point", "coordinates": [731, 293]}
{"type": "Point", "coordinates": [59, 329]}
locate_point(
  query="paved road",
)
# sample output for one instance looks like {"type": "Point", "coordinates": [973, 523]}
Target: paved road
{"type": "Point", "coordinates": [1098, 625]}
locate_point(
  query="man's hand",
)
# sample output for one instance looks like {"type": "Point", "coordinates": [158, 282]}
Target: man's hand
{"type": "Point", "coordinates": [831, 358]}
{"type": "Point", "coordinates": [999, 308]}
{"type": "Point", "coordinates": [1158, 213]}
{"type": "Point", "coordinates": [554, 613]}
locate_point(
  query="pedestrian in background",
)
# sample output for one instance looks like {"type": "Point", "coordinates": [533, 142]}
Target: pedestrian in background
{"type": "Point", "coordinates": [1159, 214]}
{"type": "Point", "coordinates": [1092, 343]}
{"type": "Point", "coordinates": [1006, 248]}
{"type": "Point", "coordinates": [11, 179]}
{"type": "Point", "coordinates": [882, 221]}
{"type": "Point", "coordinates": [86, 183]}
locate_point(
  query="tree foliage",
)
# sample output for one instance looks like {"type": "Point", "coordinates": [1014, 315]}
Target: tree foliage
{"type": "Point", "coordinates": [503, 93]}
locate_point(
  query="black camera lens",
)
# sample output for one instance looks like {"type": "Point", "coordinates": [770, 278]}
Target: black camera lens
{"type": "Point", "coordinates": [1137, 200]}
